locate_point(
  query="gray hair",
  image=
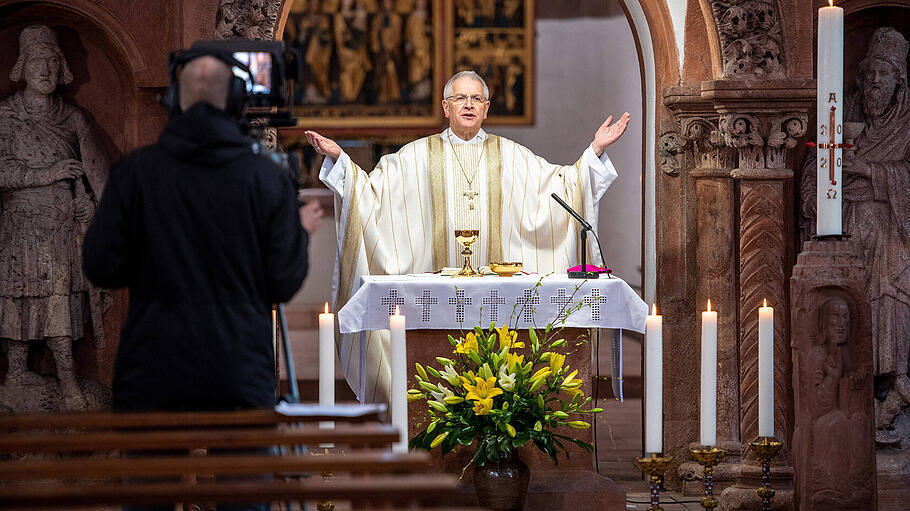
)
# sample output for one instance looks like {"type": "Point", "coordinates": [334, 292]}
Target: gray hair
{"type": "Point", "coordinates": [447, 91]}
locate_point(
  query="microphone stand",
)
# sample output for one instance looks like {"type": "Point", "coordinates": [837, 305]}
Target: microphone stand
{"type": "Point", "coordinates": [584, 273]}
{"type": "Point", "coordinates": [585, 227]}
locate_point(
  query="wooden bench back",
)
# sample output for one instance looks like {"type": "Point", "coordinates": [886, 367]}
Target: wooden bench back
{"type": "Point", "coordinates": [104, 458]}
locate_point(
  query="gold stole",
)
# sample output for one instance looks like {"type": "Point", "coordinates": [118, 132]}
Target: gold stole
{"type": "Point", "coordinates": [353, 237]}
{"type": "Point", "coordinates": [436, 162]}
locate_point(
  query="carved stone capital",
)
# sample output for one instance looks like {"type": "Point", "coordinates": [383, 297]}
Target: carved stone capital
{"type": "Point", "coordinates": [742, 132]}
{"type": "Point", "coordinates": [246, 19]}
{"type": "Point", "coordinates": [763, 140]}
{"type": "Point", "coordinates": [783, 132]}
{"type": "Point", "coordinates": [670, 147]}
{"type": "Point", "coordinates": [749, 34]}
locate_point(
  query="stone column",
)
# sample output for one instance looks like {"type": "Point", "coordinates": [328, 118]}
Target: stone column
{"type": "Point", "coordinates": [761, 142]}
{"type": "Point", "coordinates": [833, 441]}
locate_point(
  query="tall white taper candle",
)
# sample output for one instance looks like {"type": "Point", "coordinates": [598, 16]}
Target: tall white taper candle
{"type": "Point", "coordinates": [326, 361]}
{"type": "Point", "coordinates": [654, 417]}
{"type": "Point", "coordinates": [765, 370]}
{"type": "Point", "coordinates": [708, 377]}
{"type": "Point", "coordinates": [829, 119]}
{"type": "Point", "coordinates": [399, 380]}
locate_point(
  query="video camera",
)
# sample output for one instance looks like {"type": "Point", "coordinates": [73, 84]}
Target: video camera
{"type": "Point", "coordinates": [264, 72]}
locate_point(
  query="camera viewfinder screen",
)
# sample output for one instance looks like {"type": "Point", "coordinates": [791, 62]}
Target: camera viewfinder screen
{"type": "Point", "coordinates": [260, 64]}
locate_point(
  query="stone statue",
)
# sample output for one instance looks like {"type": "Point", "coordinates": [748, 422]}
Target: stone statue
{"type": "Point", "coordinates": [835, 405]}
{"type": "Point", "coordinates": [52, 171]}
{"type": "Point", "coordinates": [877, 216]}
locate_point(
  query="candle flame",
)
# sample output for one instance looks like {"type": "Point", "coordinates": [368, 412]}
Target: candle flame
{"type": "Point", "coordinates": [396, 310]}
{"type": "Point", "coordinates": [326, 307]}
{"type": "Point", "coordinates": [830, 3]}
{"type": "Point", "coordinates": [709, 305]}
{"type": "Point", "coordinates": [764, 302]}
{"type": "Point", "coordinates": [653, 309]}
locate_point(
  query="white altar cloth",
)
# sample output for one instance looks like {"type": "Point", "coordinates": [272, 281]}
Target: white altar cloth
{"type": "Point", "coordinates": [523, 301]}
{"type": "Point", "coordinates": [431, 301]}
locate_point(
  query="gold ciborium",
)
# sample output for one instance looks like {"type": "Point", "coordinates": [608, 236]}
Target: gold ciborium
{"type": "Point", "coordinates": [466, 237]}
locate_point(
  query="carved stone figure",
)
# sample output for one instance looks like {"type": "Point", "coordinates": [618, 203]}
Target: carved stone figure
{"type": "Point", "coordinates": [834, 402]}
{"type": "Point", "coordinates": [52, 171]}
{"type": "Point", "coordinates": [876, 213]}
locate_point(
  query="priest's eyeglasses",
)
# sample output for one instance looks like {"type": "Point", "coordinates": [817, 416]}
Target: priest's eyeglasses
{"type": "Point", "coordinates": [460, 99]}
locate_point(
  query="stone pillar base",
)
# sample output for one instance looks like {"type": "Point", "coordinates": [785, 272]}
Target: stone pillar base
{"type": "Point", "coordinates": [743, 495]}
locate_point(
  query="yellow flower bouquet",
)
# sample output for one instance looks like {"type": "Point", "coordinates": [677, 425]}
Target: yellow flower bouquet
{"type": "Point", "coordinates": [498, 392]}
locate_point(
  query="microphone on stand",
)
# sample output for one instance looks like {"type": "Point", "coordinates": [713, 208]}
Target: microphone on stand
{"type": "Point", "coordinates": [585, 227]}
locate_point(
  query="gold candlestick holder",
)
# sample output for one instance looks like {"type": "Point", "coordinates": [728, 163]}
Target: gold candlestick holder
{"type": "Point", "coordinates": [654, 467]}
{"type": "Point", "coordinates": [325, 503]}
{"type": "Point", "coordinates": [708, 457]}
{"type": "Point", "coordinates": [766, 448]}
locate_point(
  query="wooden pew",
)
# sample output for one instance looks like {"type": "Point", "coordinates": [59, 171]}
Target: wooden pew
{"type": "Point", "coordinates": [77, 459]}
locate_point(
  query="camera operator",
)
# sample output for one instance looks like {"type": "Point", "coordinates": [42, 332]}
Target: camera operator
{"type": "Point", "coordinates": [207, 235]}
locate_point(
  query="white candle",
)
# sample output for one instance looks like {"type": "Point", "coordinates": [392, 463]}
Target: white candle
{"type": "Point", "coordinates": [829, 119]}
{"type": "Point", "coordinates": [327, 359]}
{"type": "Point", "coordinates": [766, 370]}
{"type": "Point", "coordinates": [708, 377]}
{"type": "Point", "coordinates": [399, 380]}
{"type": "Point", "coordinates": [654, 418]}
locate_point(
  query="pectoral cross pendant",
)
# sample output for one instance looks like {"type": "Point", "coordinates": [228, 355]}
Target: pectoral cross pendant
{"type": "Point", "coordinates": [470, 194]}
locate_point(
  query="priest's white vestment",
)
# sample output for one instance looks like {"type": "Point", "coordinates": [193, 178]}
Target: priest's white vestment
{"type": "Point", "coordinates": [400, 219]}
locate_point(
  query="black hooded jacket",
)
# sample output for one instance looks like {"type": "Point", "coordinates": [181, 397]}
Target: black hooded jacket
{"type": "Point", "coordinates": [206, 235]}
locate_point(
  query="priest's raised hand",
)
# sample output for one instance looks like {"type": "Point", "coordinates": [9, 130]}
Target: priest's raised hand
{"type": "Point", "coordinates": [322, 145]}
{"type": "Point", "coordinates": [608, 133]}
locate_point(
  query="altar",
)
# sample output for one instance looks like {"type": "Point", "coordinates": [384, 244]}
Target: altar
{"type": "Point", "coordinates": [436, 306]}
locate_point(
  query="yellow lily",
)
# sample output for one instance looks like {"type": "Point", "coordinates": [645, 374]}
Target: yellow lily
{"type": "Point", "coordinates": [483, 406]}
{"type": "Point", "coordinates": [513, 359]}
{"type": "Point", "coordinates": [467, 346]}
{"type": "Point", "coordinates": [541, 373]}
{"type": "Point", "coordinates": [507, 338]}
{"type": "Point", "coordinates": [482, 394]}
{"type": "Point", "coordinates": [510, 430]}
{"type": "Point", "coordinates": [485, 389]}
{"type": "Point", "coordinates": [556, 362]}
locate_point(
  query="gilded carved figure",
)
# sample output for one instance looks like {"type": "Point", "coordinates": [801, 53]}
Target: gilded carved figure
{"type": "Point", "coordinates": [419, 44]}
{"type": "Point", "coordinates": [876, 214]}
{"type": "Point", "coordinates": [351, 37]}
{"type": "Point", "coordinates": [386, 43]}
{"type": "Point", "coordinates": [52, 171]}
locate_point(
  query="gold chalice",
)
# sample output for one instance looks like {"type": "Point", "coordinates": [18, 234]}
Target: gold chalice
{"type": "Point", "coordinates": [466, 237]}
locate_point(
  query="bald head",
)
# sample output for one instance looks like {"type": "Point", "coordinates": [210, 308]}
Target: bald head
{"type": "Point", "coordinates": [204, 79]}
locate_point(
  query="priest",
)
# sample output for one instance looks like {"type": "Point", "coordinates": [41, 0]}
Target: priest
{"type": "Point", "coordinates": [400, 218]}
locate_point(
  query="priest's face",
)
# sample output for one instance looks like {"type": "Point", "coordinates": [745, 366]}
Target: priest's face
{"type": "Point", "coordinates": [466, 108]}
